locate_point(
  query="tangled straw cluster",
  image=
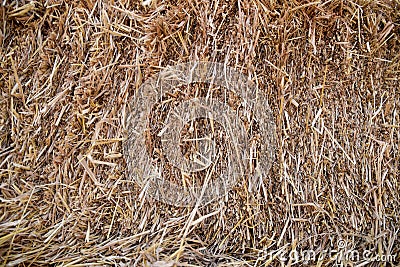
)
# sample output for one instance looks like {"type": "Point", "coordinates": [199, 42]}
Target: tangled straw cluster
{"type": "Point", "coordinates": [231, 100]}
{"type": "Point", "coordinates": [69, 71]}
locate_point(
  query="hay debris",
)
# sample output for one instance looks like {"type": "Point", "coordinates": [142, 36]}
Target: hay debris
{"type": "Point", "coordinates": [68, 69]}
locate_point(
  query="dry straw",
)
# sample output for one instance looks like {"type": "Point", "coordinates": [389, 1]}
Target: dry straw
{"type": "Point", "coordinates": [69, 69]}
{"type": "Point", "coordinates": [198, 122]}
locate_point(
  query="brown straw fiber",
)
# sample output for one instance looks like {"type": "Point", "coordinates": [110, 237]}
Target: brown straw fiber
{"type": "Point", "coordinates": [70, 72]}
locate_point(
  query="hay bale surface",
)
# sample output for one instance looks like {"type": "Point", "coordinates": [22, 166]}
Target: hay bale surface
{"type": "Point", "coordinates": [68, 70]}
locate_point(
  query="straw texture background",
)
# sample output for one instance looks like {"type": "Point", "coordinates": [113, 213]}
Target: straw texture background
{"type": "Point", "coordinates": [68, 69]}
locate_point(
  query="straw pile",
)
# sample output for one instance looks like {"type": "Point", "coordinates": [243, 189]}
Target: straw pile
{"type": "Point", "coordinates": [329, 69]}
